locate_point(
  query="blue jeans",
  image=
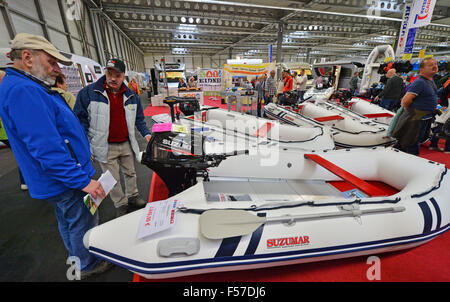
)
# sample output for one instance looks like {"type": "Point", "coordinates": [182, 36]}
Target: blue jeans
{"type": "Point", "coordinates": [388, 104]}
{"type": "Point", "coordinates": [74, 220]}
{"type": "Point", "coordinates": [301, 94]}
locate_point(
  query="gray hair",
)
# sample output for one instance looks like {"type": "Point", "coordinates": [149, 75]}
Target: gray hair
{"type": "Point", "coordinates": [16, 54]}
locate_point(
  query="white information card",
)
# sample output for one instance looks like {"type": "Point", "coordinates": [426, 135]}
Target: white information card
{"type": "Point", "coordinates": [158, 216]}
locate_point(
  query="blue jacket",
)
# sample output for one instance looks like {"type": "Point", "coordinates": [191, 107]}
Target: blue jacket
{"type": "Point", "coordinates": [49, 143]}
{"type": "Point", "coordinates": [92, 109]}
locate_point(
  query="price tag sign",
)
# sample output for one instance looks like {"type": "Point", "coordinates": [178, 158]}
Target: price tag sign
{"type": "Point", "coordinates": [158, 216]}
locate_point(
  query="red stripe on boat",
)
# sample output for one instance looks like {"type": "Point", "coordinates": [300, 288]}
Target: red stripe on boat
{"type": "Point", "coordinates": [347, 176]}
{"type": "Point", "coordinates": [261, 132]}
{"type": "Point", "coordinates": [329, 118]}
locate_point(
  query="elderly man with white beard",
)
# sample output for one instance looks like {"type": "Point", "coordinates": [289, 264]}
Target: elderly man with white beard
{"type": "Point", "coordinates": [49, 143]}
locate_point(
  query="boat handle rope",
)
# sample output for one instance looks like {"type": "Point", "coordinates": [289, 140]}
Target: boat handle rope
{"type": "Point", "coordinates": [268, 207]}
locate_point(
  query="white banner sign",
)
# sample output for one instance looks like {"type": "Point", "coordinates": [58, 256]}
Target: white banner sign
{"type": "Point", "coordinates": [421, 13]}
{"type": "Point", "coordinates": [210, 79]}
{"type": "Point", "coordinates": [403, 31]}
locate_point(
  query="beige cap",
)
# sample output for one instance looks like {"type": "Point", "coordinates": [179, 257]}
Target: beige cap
{"type": "Point", "coordinates": [29, 41]}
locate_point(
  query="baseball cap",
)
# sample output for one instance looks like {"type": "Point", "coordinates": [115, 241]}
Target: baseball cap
{"type": "Point", "coordinates": [116, 64]}
{"type": "Point", "coordinates": [29, 41]}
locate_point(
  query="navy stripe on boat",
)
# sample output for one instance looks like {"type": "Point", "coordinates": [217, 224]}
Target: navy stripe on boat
{"type": "Point", "coordinates": [256, 237]}
{"type": "Point", "coordinates": [427, 216]}
{"type": "Point", "coordinates": [228, 247]}
{"type": "Point", "coordinates": [299, 253]}
{"type": "Point", "coordinates": [438, 212]}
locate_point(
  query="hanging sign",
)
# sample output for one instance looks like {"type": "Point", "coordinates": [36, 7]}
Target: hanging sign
{"type": "Point", "coordinates": [421, 13]}
{"type": "Point", "coordinates": [404, 31]}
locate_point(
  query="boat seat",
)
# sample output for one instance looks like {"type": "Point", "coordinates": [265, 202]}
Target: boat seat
{"type": "Point", "coordinates": [329, 118]}
{"type": "Point", "coordinates": [376, 115]}
{"type": "Point", "coordinates": [360, 184]}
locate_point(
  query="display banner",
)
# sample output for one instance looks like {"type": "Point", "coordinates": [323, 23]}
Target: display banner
{"type": "Point", "coordinates": [404, 29]}
{"type": "Point", "coordinates": [421, 13]}
{"type": "Point", "coordinates": [210, 79]}
{"type": "Point", "coordinates": [270, 53]}
{"type": "Point", "coordinates": [409, 45]}
{"type": "Point", "coordinates": [247, 69]}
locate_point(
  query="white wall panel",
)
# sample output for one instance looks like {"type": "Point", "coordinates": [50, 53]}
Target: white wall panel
{"type": "Point", "coordinates": [4, 35]}
{"type": "Point", "coordinates": [59, 40]}
{"type": "Point", "coordinates": [51, 13]}
{"type": "Point", "coordinates": [70, 23]}
{"type": "Point", "coordinates": [77, 47]}
{"type": "Point", "coordinates": [23, 25]}
{"type": "Point", "coordinates": [25, 6]}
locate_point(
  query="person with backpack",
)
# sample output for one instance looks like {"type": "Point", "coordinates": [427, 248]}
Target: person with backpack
{"type": "Point", "coordinates": [393, 91]}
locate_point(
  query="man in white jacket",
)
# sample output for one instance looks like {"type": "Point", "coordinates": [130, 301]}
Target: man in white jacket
{"type": "Point", "coordinates": [301, 84]}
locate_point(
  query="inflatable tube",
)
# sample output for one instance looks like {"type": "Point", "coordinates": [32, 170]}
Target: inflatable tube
{"type": "Point", "coordinates": [379, 53]}
{"type": "Point", "coordinates": [349, 129]}
{"type": "Point", "coordinates": [373, 112]}
{"type": "Point", "coordinates": [228, 131]}
{"type": "Point", "coordinates": [297, 216]}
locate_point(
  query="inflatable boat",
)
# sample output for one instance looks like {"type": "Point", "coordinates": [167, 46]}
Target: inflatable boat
{"type": "Point", "coordinates": [231, 130]}
{"type": "Point", "coordinates": [244, 216]}
{"type": "Point", "coordinates": [349, 129]}
{"type": "Point", "coordinates": [367, 109]}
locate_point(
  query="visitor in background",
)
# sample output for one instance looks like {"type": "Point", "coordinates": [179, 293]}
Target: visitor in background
{"type": "Point", "coordinates": [302, 79]}
{"type": "Point", "coordinates": [109, 113]}
{"type": "Point", "coordinates": [259, 86]}
{"type": "Point", "coordinates": [181, 83]}
{"type": "Point", "coordinates": [393, 91]}
{"type": "Point", "coordinates": [61, 87]}
{"type": "Point", "coordinates": [192, 83]}
{"type": "Point", "coordinates": [134, 86]}
{"type": "Point", "coordinates": [354, 83]}
{"type": "Point", "coordinates": [270, 88]}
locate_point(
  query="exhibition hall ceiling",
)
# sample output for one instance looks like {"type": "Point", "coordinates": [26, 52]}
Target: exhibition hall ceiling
{"type": "Point", "coordinates": [313, 29]}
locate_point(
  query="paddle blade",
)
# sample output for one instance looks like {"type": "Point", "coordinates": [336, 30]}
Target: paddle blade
{"type": "Point", "coordinates": [219, 224]}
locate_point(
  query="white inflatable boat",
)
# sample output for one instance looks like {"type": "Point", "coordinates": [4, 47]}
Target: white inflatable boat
{"type": "Point", "coordinates": [371, 111]}
{"type": "Point", "coordinates": [349, 129]}
{"type": "Point", "coordinates": [244, 216]}
{"type": "Point", "coordinates": [229, 130]}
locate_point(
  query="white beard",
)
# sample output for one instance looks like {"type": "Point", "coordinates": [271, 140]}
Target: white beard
{"type": "Point", "coordinates": [39, 73]}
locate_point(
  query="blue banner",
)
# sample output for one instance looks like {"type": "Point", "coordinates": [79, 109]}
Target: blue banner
{"type": "Point", "coordinates": [409, 45]}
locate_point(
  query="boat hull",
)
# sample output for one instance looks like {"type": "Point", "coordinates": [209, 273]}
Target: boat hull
{"type": "Point", "coordinates": [294, 186]}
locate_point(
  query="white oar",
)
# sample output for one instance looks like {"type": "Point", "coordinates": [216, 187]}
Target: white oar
{"type": "Point", "coordinates": [218, 224]}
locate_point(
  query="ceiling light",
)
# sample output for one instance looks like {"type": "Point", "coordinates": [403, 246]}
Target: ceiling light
{"type": "Point", "coordinates": [183, 19]}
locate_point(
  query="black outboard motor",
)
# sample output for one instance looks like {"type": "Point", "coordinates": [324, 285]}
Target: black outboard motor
{"type": "Point", "coordinates": [342, 96]}
{"type": "Point", "coordinates": [179, 158]}
{"type": "Point", "coordinates": [187, 105]}
{"type": "Point", "coordinates": [290, 98]}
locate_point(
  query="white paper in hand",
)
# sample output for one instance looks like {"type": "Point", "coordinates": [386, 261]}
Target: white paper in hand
{"type": "Point", "coordinates": [108, 182]}
{"type": "Point", "coordinates": [158, 216]}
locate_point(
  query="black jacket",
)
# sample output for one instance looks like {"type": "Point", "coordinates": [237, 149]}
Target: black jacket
{"type": "Point", "coordinates": [393, 90]}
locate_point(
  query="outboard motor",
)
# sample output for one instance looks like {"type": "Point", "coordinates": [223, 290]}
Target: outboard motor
{"type": "Point", "coordinates": [179, 158]}
{"type": "Point", "coordinates": [290, 98]}
{"type": "Point", "coordinates": [187, 105]}
{"type": "Point", "coordinates": [342, 96]}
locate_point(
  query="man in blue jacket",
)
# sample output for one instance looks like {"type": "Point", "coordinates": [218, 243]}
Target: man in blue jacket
{"type": "Point", "coordinates": [109, 112]}
{"type": "Point", "coordinates": [50, 145]}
